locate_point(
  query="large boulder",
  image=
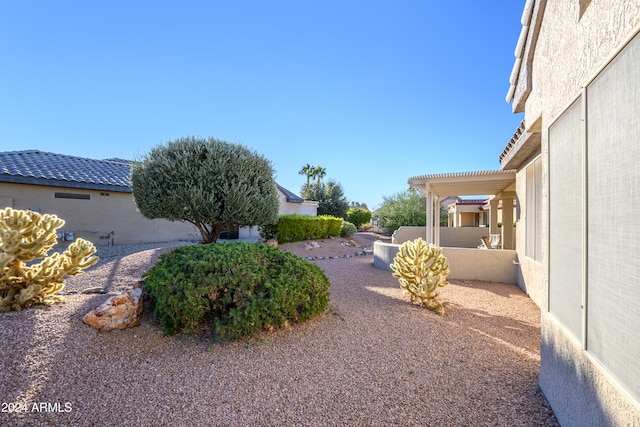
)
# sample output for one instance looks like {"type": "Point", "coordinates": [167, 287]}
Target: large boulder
{"type": "Point", "coordinates": [117, 312]}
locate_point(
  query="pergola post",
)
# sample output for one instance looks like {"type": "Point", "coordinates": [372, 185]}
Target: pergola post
{"type": "Point", "coordinates": [493, 213]}
{"type": "Point", "coordinates": [429, 202]}
{"type": "Point", "coordinates": [436, 221]}
{"type": "Point", "coordinates": [507, 223]}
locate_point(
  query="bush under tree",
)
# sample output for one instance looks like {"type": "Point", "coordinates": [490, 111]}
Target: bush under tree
{"type": "Point", "coordinates": [212, 184]}
{"type": "Point", "coordinates": [237, 289]}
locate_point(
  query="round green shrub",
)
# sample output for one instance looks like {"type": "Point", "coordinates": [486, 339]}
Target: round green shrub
{"type": "Point", "coordinates": [348, 229]}
{"type": "Point", "coordinates": [236, 288]}
{"type": "Point", "coordinates": [358, 216]}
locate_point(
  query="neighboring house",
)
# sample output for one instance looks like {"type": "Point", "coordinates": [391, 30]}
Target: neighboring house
{"type": "Point", "coordinates": [467, 213]}
{"type": "Point", "coordinates": [94, 198]}
{"type": "Point", "coordinates": [576, 77]}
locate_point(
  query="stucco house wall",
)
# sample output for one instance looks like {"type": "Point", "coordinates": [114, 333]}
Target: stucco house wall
{"type": "Point", "coordinates": [589, 347]}
{"type": "Point", "coordinates": [103, 216]}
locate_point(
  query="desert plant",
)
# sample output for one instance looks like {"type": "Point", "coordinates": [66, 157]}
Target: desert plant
{"type": "Point", "coordinates": [234, 288]}
{"type": "Point", "coordinates": [403, 208]}
{"type": "Point", "coordinates": [212, 184]}
{"type": "Point", "coordinates": [348, 229]}
{"type": "Point", "coordinates": [421, 269]}
{"type": "Point", "coordinates": [24, 237]}
{"type": "Point", "coordinates": [358, 216]}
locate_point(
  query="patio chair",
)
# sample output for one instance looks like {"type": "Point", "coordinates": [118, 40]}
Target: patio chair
{"type": "Point", "coordinates": [484, 243]}
{"type": "Point", "coordinates": [495, 241]}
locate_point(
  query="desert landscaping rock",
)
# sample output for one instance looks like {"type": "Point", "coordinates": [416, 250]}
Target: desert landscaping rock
{"type": "Point", "coordinates": [117, 312]}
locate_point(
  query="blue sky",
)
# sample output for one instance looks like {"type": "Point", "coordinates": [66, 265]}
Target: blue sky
{"type": "Point", "coordinates": [374, 91]}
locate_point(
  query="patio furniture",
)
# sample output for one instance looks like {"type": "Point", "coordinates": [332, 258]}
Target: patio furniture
{"type": "Point", "coordinates": [495, 241]}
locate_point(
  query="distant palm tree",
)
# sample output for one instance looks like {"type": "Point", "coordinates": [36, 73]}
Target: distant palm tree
{"type": "Point", "coordinates": [319, 172]}
{"type": "Point", "coordinates": [308, 171]}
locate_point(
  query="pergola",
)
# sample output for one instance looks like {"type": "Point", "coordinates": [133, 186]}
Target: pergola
{"type": "Point", "coordinates": [499, 185]}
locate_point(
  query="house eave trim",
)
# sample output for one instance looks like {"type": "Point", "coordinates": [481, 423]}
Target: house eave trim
{"type": "Point", "coordinates": [64, 184]}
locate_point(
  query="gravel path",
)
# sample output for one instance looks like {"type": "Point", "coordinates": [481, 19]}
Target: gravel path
{"type": "Point", "coordinates": [372, 360]}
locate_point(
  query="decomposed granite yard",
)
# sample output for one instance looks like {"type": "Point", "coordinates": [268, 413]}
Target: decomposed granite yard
{"type": "Point", "coordinates": [372, 360]}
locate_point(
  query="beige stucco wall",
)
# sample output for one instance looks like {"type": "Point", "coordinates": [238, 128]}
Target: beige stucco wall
{"type": "Point", "coordinates": [569, 52]}
{"type": "Point", "coordinates": [567, 56]}
{"type": "Point", "coordinates": [287, 208]}
{"type": "Point", "coordinates": [103, 213]}
{"type": "Point", "coordinates": [450, 237]}
{"type": "Point", "coordinates": [464, 263]}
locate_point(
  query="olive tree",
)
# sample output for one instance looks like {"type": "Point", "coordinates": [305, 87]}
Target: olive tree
{"type": "Point", "coordinates": [215, 185]}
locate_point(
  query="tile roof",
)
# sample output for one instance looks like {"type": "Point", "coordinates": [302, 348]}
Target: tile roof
{"type": "Point", "coordinates": [512, 142]}
{"type": "Point", "coordinates": [60, 170]}
{"type": "Point", "coordinates": [291, 197]}
{"type": "Point", "coordinates": [471, 201]}
{"type": "Point", "coordinates": [44, 168]}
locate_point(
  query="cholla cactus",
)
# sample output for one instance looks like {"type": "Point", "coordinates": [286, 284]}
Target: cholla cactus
{"type": "Point", "coordinates": [421, 270]}
{"type": "Point", "coordinates": [26, 236]}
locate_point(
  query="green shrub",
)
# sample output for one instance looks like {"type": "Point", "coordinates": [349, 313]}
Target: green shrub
{"type": "Point", "coordinates": [358, 216]}
{"type": "Point", "coordinates": [293, 228]}
{"type": "Point", "coordinates": [333, 224]}
{"type": "Point", "coordinates": [348, 229]}
{"type": "Point", "coordinates": [235, 288]}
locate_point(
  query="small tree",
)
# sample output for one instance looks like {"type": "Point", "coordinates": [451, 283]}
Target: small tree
{"type": "Point", "coordinates": [215, 185]}
{"type": "Point", "coordinates": [330, 198]}
{"type": "Point", "coordinates": [358, 216]}
{"type": "Point", "coordinates": [308, 171]}
{"type": "Point", "coordinates": [407, 208]}
{"type": "Point", "coordinates": [319, 172]}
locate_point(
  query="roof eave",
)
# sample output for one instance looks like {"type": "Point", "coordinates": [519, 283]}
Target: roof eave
{"type": "Point", "coordinates": [13, 179]}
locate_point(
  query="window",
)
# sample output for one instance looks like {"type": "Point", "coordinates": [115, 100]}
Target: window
{"type": "Point", "coordinates": [594, 200]}
{"type": "Point", "coordinates": [533, 247]}
{"type": "Point", "coordinates": [613, 164]}
{"type": "Point", "coordinates": [72, 196]}
{"type": "Point", "coordinates": [566, 146]}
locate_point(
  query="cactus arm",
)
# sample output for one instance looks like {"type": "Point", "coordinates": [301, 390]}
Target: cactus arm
{"type": "Point", "coordinates": [26, 236]}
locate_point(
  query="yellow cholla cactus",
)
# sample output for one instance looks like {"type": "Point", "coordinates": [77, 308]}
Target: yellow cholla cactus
{"type": "Point", "coordinates": [421, 270]}
{"type": "Point", "coordinates": [26, 236]}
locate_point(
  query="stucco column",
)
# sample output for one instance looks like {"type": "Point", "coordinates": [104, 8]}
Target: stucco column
{"type": "Point", "coordinates": [507, 223]}
{"type": "Point", "coordinates": [436, 220]}
{"type": "Point", "coordinates": [493, 213]}
{"type": "Point", "coordinates": [429, 217]}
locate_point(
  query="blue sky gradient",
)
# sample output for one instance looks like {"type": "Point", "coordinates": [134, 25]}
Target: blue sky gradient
{"type": "Point", "coordinates": [374, 91]}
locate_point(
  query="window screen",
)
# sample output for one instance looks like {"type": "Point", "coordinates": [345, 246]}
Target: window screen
{"type": "Point", "coordinates": [533, 248]}
{"type": "Point", "coordinates": [613, 129]}
{"type": "Point", "coordinates": [565, 219]}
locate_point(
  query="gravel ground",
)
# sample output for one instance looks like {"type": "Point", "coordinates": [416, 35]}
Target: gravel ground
{"type": "Point", "coordinates": [372, 360]}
